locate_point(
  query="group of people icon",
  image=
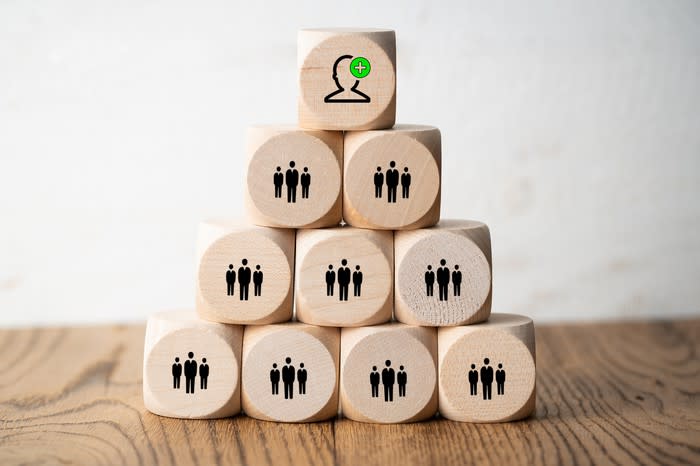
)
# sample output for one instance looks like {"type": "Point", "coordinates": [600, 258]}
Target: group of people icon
{"type": "Point", "coordinates": [392, 180]}
{"type": "Point", "coordinates": [443, 280]}
{"type": "Point", "coordinates": [388, 378]}
{"type": "Point", "coordinates": [288, 377]}
{"type": "Point", "coordinates": [190, 373]}
{"type": "Point", "coordinates": [291, 179]}
{"type": "Point", "coordinates": [343, 276]}
{"type": "Point", "coordinates": [244, 278]}
{"type": "Point", "coordinates": [486, 374]}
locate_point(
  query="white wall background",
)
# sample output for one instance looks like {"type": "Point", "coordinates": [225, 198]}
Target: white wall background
{"type": "Point", "coordinates": [572, 129]}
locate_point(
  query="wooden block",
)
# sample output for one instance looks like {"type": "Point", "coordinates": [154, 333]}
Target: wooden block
{"type": "Point", "coordinates": [294, 177]}
{"type": "Point", "coordinates": [290, 372]}
{"type": "Point", "coordinates": [347, 78]}
{"type": "Point", "coordinates": [345, 276]}
{"type": "Point", "coordinates": [443, 274]}
{"type": "Point", "coordinates": [245, 274]}
{"type": "Point", "coordinates": [392, 178]}
{"type": "Point", "coordinates": [388, 373]}
{"type": "Point", "coordinates": [191, 367]}
{"type": "Point", "coordinates": [487, 370]}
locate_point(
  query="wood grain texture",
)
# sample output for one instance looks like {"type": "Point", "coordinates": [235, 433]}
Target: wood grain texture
{"type": "Point", "coordinates": [622, 393]}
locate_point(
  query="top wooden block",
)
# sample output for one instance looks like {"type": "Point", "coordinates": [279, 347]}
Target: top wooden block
{"type": "Point", "coordinates": [347, 79]}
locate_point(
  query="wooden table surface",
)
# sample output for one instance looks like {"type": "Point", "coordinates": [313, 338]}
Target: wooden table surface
{"type": "Point", "coordinates": [622, 393]}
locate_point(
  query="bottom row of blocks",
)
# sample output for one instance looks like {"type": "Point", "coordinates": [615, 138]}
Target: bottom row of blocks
{"type": "Point", "coordinates": [296, 372]}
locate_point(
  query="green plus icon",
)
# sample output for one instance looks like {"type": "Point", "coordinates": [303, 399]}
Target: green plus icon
{"type": "Point", "coordinates": [360, 67]}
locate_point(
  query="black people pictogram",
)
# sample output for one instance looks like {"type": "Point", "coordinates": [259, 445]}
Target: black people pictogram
{"type": "Point", "coordinates": [288, 375]}
{"type": "Point", "coordinates": [501, 379]}
{"type": "Point", "coordinates": [388, 378]}
{"type": "Point", "coordinates": [344, 276]}
{"type": "Point", "coordinates": [347, 79]}
{"type": "Point", "coordinates": [190, 372]}
{"type": "Point", "coordinates": [473, 377]}
{"type": "Point", "coordinates": [357, 282]}
{"type": "Point", "coordinates": [275, 379]}
{"type": "Point", "coordinates": [374, 382]}
{"type": "Point", "coordinates": [305, 183]}
{"type": "Point", "coordinates": [443, 279]}
{"type": "Point", "coordinates": [177, 373]}
{"type": "Point", "coordinates": [392, 179]}
{"type": "Point", "coordinates": [429, 280]}
{"type": "Point", "coordinates": [244, 278]}
{"type": "Point", "coordinates": [292, 179]}
{"type": "Point", "coordinates": [486, 375]}
{"type": "Point", "coordinates": [405, 183]}
{"type": "Point", "coordinates": [278, 181]}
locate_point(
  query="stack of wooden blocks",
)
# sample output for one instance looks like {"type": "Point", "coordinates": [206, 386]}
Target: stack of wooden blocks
{"type": "Point", "coordinates": [393, 317]}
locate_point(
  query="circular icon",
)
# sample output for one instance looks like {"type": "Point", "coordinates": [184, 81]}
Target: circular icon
{"type": "Point", "coordinates": [360, 67]}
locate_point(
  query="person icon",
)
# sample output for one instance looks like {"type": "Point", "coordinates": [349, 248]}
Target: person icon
{"type": "Point", "coordinates": [486, 374]}
{"type": "Point", "coordinates": [278, 181]}
{"type": "Point", "coordinates": [291, 179]}
{"type": "Point", "coordinates": [203, 374]}
{"type": "Point", "coordinates": [343, 280]}
{"type": "Point", "coordinates": [275, 379]}
{"type": "Point", "coordinates": [374, 382]}
{"type": "Point", "coordinates": [177, 373]}
{"type": "Point", "coordinates": [388, 379]}
{"type": "Point", "coordinates": [429, 281]}
{"type": "Point", "coordinates": [401, 379]}
{"type": "Point", "coordinates": [243, 280]}
{"type": "Point", "coordinates": [257, 281]}
{"type": "Point", "coordinates": [357, 281]}
{"type": "Point", "coordinates": [378, 183]}
{"type": "Point", "coordinates": [473, 380]}
{"type": "Point", "coordinates": [301, 377]}
{"type": "Point", "coordinates": [305, 183]}
{"type": "Point", "coordinates": [500, 380]}
{"type": "Point", "coordinates": [405, 183]}
{"type": "Point", "coordinates": [330, 280]}
{"type": "Point", "coordinates": [230, 280]}
{"type": "Point", "coordinates": [443, 279]}
{"type": "Point", "coordinates": [392, 181]}
{"type": "Point", "coordinates": [190, 373]}
{"type": "Point", "coordinates": [346, 84]}
{"type": "Point", "coordinates": [288, 376]}
{"type": "Point", "coordinates": [457, 280]}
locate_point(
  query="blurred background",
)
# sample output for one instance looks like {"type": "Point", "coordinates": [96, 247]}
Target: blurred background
{"type": "Point", "coordinates": [571, 128]}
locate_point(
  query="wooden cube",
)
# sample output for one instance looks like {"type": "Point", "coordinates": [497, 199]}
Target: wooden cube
{"type": "Point", "coordinates": [245, 274]}
{"type": "Point", "coordinates": [294, 177]}
{"type": "Point", "coordinates": [290, 372]}
{"type": "Point", "coordinates": [347, 78]}
{"type": "Point", "coordinates": [191, 367]}
{"type": "Point", "coordinates": [487, 370]}
{"type": "Point", "coordinates": [345, 276]}
{"type": "Point", "coordinates": [392, 178]}
{"type": "Point", "coordinates": [388, 373]}
{"type": "Point", "coordinates": [443, 274]}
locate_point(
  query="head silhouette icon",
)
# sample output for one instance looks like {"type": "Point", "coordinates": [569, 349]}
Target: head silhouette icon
{"type": "Point", "coordinates": [486, 361]}
{"type": "Point", "coordinates": [274, 365]}
{"type": "Point", "coordinates": [443, 262]}
{"type": "Point", "coordinates": [257, 267]}
{"type": "Point", "coordinates": [400, 368]}
{"type": "Point", "coordinates": [379, 169]}
{"type": "Point", "coordinates": [301, 365]}
{"type": "Point", "coordinates": [357, 267]}
{"type": "Point", "coordinates": [456, 267]}
{"type": "Point", "coordinates": [430, 267]}
{"type": "Point", "coordinates": [279, 169]}
{"type": "Point", "coordinates": [405, 169]}
{"type": "Point", "coordinates": [346, 83]}
{"type": "Point", "coordinates": [473, 366]}
{"type": "Point", "coordinates": [288, 360]}
{"type": "Point", "coordinates": [388, 363]}
{"type": "Point", "coordinates": [374, 368]}
{"type": "Point", "coordinates": [500, 366]}
{"type": "Point", "coordinates": [330, 267]}
{"type": "Point", "coordinates": [306, 169]}
{"type": "Point", "coordinates": [392, 164]}
{"type": "Point", "coordinates": [204, 360]}
{"type": "Point", "coordinates": [177, 359]}
{"type": "Point", "coordinates": [344, 262]}
{"type": "Point", "coordinates": [230, 266]}
{"type": "Point", "coordinates": [190, 355]}
{"type": "Point", "coordinates": [292, 164]}
{"type": "Point", "coordinates": [244, 261]}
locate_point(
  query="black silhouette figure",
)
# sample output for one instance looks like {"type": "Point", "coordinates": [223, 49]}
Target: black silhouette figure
{"type": "Point", "coordinates": [486, 374]}
{"type": "Point", "coordinates": [405, 183]}
{"type": "Point", "coordinates": [305, 183]}
{"type": "Point", "coordinates": [342, 95]}
{"type": "Point", "coordinates": [392, 181]}
{"type": "Point", "coordinates": [301, 377]}
{"type": "Point", "coordinates": [429, 280]}
{"type": "Point", "coordinates": [275, 379]}
{"type": "Point", "coordinates": [278, 181]}
{"type": "Point", "coordinates": [288, 377]}
{"type": "Point", "coordinates": [443, 279]}
{"type": "Point", "coordinates": [203, 374]}
{"type": "Point", "coordinates": [330, 281]}
{"type": "Point", "coordinates": [230, 280]}
{"type": "Point", "coordinates": [457, 280]}
{"type": "Point", "coordinates": [500, 380]}
{"type": "Point", "coordinates": [374, 382]}
{"type": "Point", "coordinates": [343, 280]}
{"type": "Point", "coordinates": [357, 281]}
{"type": "Point", "coordinates": [190, 373]}
{"type": "Point", "coordinates": [257, 281]}
{"type": "Point", "coordinates": [388, 379]}
{"type": "Point", "coordinates": [473, 380]}
{"type": "Point", "coordinates": [291, 179]}
{"type": "Point", "coordinates": [177, 373]}
{"type": "Point", "coordinates": [378, 182]}
{"type": "Point", "coordinates": [243, 280]}
{"type": "Point", "coordinates": [401, 379]}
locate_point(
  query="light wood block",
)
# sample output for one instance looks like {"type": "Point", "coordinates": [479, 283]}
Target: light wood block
{"type": "Point", "coordinates": [443, 274]}
{"type": "Point", "coordinates": [487, 370]}
{"type": "Point", "coordinates": [294, 177]}
{"type": "Point", "coordinates": [290, 372]}
{"type": "Point", "coordinates": [345, 276]}
{"type": "Point", "coordinates": [245, 273]}
{"type": "Point", "coordinates": [347, 78]}
{"type": "Point", "coordinates": [388, 373]}
{"type": "Point", "coordinates": [191, 367]}
{"type": "Point", "coordinates": [392, 178]}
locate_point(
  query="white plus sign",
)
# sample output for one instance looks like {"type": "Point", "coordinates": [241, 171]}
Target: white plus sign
{"type": "Point", "coordinates": [359, 67]}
